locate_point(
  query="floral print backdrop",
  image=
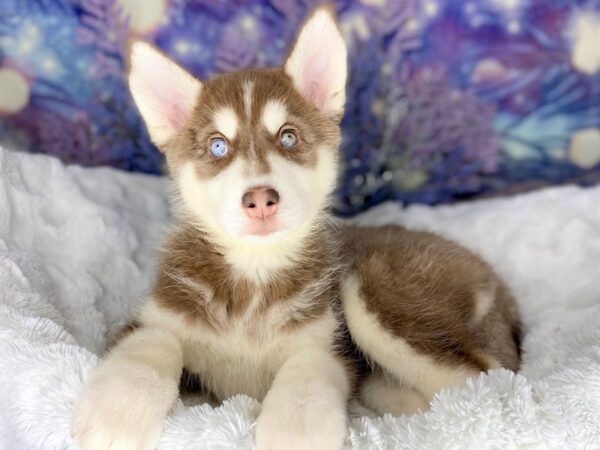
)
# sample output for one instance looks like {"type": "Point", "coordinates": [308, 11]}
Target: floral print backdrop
{"type": "Point", "coordinates": [447, 99]}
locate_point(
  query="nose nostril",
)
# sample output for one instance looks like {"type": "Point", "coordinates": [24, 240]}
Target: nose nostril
{"type": "Point", "coordinates": [273, 197]}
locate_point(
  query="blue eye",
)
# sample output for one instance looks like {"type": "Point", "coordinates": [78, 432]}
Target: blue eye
{"type": "Point", "coordinates": [288, 139]}
{"type": "Point", "coordinates": [218, 147]}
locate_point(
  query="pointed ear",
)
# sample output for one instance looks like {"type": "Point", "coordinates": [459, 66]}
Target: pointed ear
{"type": "Point", "coordinates": [317, 63]}
{"type": "Point", "coordinates": [164, 92]}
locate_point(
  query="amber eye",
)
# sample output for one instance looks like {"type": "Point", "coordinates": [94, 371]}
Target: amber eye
{"type": "Point", "coordinates": [288, 139]}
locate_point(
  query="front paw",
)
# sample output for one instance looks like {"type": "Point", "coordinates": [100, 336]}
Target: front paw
{"type": "Point", "coordinates": [122, 407]}
{"type": "Point", "coordinates": [301, 429]}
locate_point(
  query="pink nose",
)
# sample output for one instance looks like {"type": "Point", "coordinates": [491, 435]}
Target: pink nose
{"type": "Point", "coordinates": [260, 202]}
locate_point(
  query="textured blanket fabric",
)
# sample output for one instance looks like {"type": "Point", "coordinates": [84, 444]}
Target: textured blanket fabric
{"type": "Point", "coordinates": [78, 247]}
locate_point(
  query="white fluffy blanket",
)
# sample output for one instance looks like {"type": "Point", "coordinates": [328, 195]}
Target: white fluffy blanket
{"type": "Point", "coordinates": [78, 246]}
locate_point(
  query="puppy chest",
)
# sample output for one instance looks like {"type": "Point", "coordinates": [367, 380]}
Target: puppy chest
{"type": "Point", "coordinates": [233, 364]}
{"type": "Point", "coordinates": [240, 362]}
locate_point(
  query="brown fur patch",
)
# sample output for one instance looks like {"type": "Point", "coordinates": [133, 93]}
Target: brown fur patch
{"type": "Point", "coordinates": [189, 255]}
{"type": "Point", "coordinates": [423, 289]}
{"type": "Point", "coordinates": [252, 141]}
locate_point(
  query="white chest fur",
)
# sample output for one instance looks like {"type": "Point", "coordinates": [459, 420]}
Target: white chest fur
{"type": "Point", "coordinates": [247, 353]}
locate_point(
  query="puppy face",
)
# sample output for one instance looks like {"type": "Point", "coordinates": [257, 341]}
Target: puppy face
{"type": "Point", "coordinates": [253, 153]}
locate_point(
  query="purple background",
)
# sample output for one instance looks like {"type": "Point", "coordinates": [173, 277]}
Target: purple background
{"type": "Point", "coordinates": [447, 100]}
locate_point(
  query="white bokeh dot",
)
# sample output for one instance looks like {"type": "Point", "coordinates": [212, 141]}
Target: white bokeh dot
{"type": "Point", "coordinates": [584, 150]}
{"type": "Point", "coordinates": [14, 91]}
{"type": "Point", "coordinates": [585, 34]}
{"type": "Point", "coordinates": [144, 16]}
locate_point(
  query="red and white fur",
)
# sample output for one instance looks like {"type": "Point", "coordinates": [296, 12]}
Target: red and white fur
{"type": "Point", "coordinates": [259, 292]}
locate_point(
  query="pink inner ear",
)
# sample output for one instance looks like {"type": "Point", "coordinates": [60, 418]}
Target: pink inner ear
{"type": "Point", "coordinates": [178, 115]}
{"type": "Point", "coordinates": [173, 105]}
{"type": "Point", "coordinates": [169, 90]}
{"type": "Point", "coordinates": [317, 79]}
{"type": "Point", "coordinates": [315, 94]}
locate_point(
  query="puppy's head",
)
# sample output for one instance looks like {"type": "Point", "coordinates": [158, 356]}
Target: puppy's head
{"type": "Point", "coordinates": [253, 153]}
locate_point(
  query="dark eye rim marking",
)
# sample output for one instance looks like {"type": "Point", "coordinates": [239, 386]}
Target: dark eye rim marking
{"type": "Point", "coordinates": [209, 142]}
{"type": "Point", "coordinates": [287, 128]}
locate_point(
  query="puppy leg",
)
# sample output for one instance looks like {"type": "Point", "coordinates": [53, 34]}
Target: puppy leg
{"type": "Point", "coordinates": [306, 405]}
{"type": "Point", "coordinates": [389, 397]}
{"type": "Point", "coordinates": [125, 402]}
{"type": "Point", "coordinates": [394, 354]}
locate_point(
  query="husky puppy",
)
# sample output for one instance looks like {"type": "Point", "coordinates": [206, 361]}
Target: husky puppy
{"type": "Point", "coordinates": [259, 292]}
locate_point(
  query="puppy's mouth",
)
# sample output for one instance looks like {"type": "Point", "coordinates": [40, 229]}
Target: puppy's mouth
{"type": "Point", "coordinates": [263, 227]}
